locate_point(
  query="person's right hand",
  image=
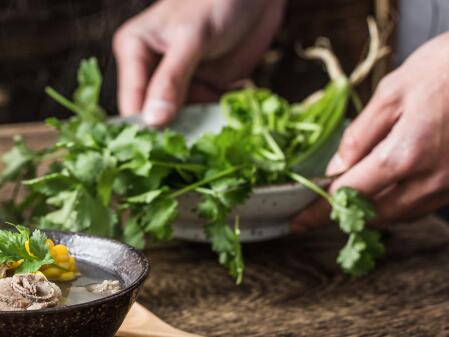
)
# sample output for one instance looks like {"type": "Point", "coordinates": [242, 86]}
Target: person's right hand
{"type": "Point", "coordinates": [189, 49]}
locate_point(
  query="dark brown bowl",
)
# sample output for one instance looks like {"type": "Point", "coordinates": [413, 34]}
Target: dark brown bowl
{"type": "Point", "coordinates": [99, 318]}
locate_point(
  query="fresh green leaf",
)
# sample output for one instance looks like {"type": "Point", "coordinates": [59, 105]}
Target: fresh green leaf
{"type": "Point", "coordinates": [103, 174]}
{"type": "Point", "coordinates": [133, 234]}
{"type": "Point", "coordinates": [50, 184]}
{"type": "Point", "coordinates": [175, 144]}
{"type": "Point", "coordinates": [147, 197]}
{"type": "Point", "coordinates": [87, 95]}
{"type": "Point", "coordinates": [226, 243]}
{"type": "Point", "coordinates": [18, 161]}
{"type": "Point", "coordinates": [158, 216]}
{"type": "Point", "coordinates": [78, 210]}
{"type": "Point", "coordinates": [12, 249]}
{"type": "Point", "coordinates": [360, 253]}
{"type": "Point", "coordinates": [351, 210]}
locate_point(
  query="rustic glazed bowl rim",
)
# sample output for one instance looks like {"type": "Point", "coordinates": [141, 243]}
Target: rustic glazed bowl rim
{"type": "Point", "coordinates": [146, 270]}
{"type": "Point", "coordinates": [285, 187]}
{"type": "Point", "coordinates": [273, 188]}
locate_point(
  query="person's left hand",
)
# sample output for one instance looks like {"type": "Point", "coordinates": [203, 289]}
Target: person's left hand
{"type": "Point", "coordinates": [397, 151]}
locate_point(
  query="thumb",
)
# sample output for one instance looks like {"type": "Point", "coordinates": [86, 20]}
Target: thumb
{"type": "Point", "coordinates": [168, 87]}
{"type": "Point", "coordinates": [368, 129]}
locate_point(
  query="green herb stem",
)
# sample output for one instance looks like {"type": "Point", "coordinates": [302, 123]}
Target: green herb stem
{"type": "Point", "coordinates": [358, 105]}
{"type": "Point", "coordinates": [62, 100]}
{"type": "Point", "coordinates": [205, 181]}
{"type": "Point", "coordinates": [273, 145]}
{"type": "Point", "coordinates": [182, 166]}
{"type": "Point", "coordinates": [311, 185]}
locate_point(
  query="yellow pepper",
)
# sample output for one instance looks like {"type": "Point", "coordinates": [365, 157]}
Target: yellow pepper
{"type": "Point", "coordinates": [64, 268]}
{"type": "Point", "coordinates": [16, 264]}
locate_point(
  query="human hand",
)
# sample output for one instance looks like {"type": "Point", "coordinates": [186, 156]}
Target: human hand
{"type": "Point", "coordinates": [397, 151]}
{"type": "Point", "coordinates": [190, 49]}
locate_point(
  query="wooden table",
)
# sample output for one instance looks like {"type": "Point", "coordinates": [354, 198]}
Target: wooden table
{"type": "Point", "coordinates": [292, 286]}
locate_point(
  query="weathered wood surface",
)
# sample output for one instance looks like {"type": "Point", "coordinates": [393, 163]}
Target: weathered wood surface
{"type": "Point", "coordinates": [292, 286]}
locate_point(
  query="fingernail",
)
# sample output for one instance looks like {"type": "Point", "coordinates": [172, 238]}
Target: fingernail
{"type": "Point", "coordinates": [336, 165]}
{"type": "Point", "coordinates": [158, 112]}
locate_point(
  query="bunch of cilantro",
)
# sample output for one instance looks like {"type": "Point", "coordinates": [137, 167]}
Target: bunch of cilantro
{"type": "Point", "coordinates": [120, 181]}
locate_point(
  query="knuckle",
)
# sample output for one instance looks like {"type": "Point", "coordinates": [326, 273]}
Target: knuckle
{"type": "Point", "coordinates": [349, 146]}
{"type": "Point", "coordinates": [119, 40]}
{"type": "Point", "coordinates": [193, 31]}
{"type": "Point", "coordinates": [399, 155]}
{"type": "Point", "coordinates": [407, 162]}
{"type": "Point", "coordinates": [349, 141]}
{"type": "Point", "coordinates": [387, 89]}
{"type": "Point", "coordinates": [411, 153]}
{"type": "Point", "coordinates": [391, 164]}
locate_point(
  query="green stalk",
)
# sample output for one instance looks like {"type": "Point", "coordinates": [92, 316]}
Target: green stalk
{"type": "Point", "coordinates": [258, 123]}
{"type": "Point", "coordinates": [335, 117]}
{"type": "Point", "coordinates": [273, 145]}
{"type": "Point", "coordinates": [63, 101]}
{"type": "Point", "coordinates": [238, 249]}
{"type": "Point", "coordinates": [204, 181]}
{"type": "Point", "coordinates": [305, 126]}
{"type": "Point", "coordinates": [358, 105]}
{"type": "Point", "coordinates": [317, 189]}
{"type": "Point", "coordinates": [310, 185]}
{"type": "Point", "coordinates": [182, 166]}
{"type": "Point", "coordinates": [269, 155]}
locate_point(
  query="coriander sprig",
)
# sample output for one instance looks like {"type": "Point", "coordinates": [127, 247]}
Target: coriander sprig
{"type": "Point", "coordinates": [121, 181]}
{"type": "Point", "coordinates": [351, 211]}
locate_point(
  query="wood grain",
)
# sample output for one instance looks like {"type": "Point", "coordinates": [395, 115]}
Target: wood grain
{"type": "Point", "coordinates": [292, 286]}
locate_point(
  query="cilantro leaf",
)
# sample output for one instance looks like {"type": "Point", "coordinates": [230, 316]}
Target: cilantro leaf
{"type": "Point", "coordinates": [158, 216]}
{"type": "Point", "coordinates": [134, 234]}
{"type": "Point", "coordinates": [147, 197]}
{"type": "Point", "coordinates": [175, 144]}
{"type": "Point", "coordinates": [351, 210]}
{"type": "Point", "coordinates": [50, 184]}
{"type": "Point", "coordinates": [360, 252]}
{"type": "Point", "coordinates": [13, 248]}
{"type": "Point", "coordinates": [226, 243]}
{"type": "Point", "coordinates": [87, 95]}
{"type": "Point", "coordinates": [18, 161]}
{"type": "Point", "coordinates": [78, 210]}
{"type": "Point", "coordinates": [102, 175]}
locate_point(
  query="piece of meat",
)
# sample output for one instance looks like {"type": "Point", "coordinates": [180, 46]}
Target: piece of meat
{"type": "Point", "coordinates": [28, 292]}
{"type": "Point", "coordinates": [108, 287]}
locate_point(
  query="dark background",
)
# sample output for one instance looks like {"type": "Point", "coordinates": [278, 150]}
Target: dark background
{"type": "Point", "coordinates": [42, 42]}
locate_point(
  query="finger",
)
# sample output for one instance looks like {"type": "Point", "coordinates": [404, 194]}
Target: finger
{"type": "Point", "coordinates": [134, 65]}
{"type": "Point", "coordinates": [168, 86]}
{"type": "Point", "coordinates": [314, 216]}
{"type": "Point", "coordinates": [368, 129]}
{"type": "Point", "coordinates": [391, 161]}
{"type": "Point", "coordinates": [409, 200]}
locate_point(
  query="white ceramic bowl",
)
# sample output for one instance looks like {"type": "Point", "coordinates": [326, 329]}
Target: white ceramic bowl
{"type": "Point", "coordinates": [265, 215]}
{"type": "Point", "coordinates": [268, 211]}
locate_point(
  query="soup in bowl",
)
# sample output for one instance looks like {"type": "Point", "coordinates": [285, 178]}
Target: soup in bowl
{"type": "Point", "coordinates": [109, 275]}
